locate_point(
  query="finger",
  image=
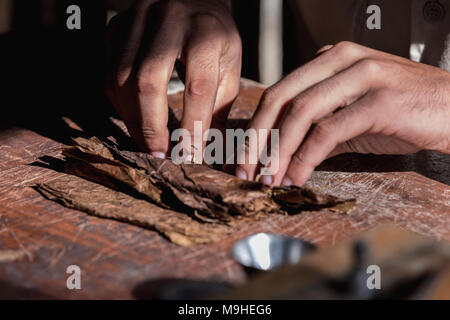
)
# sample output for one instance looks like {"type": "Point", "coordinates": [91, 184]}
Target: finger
{"type": "Point", "coordinates": [149, 126]}
{"type": "Point", "coordinates": [275, 99]}
{"type": "Point", "coordinates": [229, 85]}
{"type": "Point", "coordinates": [319, 101]}
{"type": "Point", "coordinates": [346, 124]}
{"type": "Point", "coordinates": [227, 91]}
{"type": "Point", "coordinates": [125, 34]}
{"type": "Point", "coordinates": [230, 76]}
{"type": "Point", "coordinates": [202, 57]}
{"type": "Point", "coordinates": [351, 146]}
{"type": "Point", "coordinates": [340, 149]}
{"type": "Point", "coordinates": [226, 94]}
{"type": "Point", "coordinates": [324, 49]}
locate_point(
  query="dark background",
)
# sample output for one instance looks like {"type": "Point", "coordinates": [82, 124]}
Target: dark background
{"type": "Point", "coordinates": [51, 72]}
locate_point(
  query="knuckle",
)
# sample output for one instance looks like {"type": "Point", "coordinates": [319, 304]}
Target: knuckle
{"type": "Point", "coordinates": [301, 104]}
{"type": "Point", "coordinates": [200, 87]}
{"type": "Point", "coordinates": [206, 60]}
{"type": "Point", "coordinates": [298, 159]}
{"type": "Point", "coordinates": [323, 131]}
{"type": "Point", "coordinates": [345, 48]}
{"type": "Point", "coordinates": [210, 44]}
{"type": "Point", "coordinates": [206, 21]}
{"type": "Point", "coordinates": [270, 96]}
{"type": "Point", "coordinates": [152, 138]}
{"type": "Point", "coordinates": [344, 45]}
{"type": "Point", "coordinates": [151, 133]}
{"type": "Point", "coordinates": [213, 34]}
{"type": "Point", "coordinates": [370, 66]}
{"type": "Point", "coordinates": [149, 84]}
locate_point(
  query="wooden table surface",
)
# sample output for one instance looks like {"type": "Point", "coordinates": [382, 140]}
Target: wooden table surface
{"type": "Point", "coordinates": [39, 239]}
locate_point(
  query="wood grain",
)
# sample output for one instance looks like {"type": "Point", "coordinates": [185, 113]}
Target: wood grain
{"type": "Point", "coordinates": [115, 258]}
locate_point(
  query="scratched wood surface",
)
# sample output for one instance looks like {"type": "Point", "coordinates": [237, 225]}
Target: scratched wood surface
{"type": "Point", "coordinates": [39, 239]}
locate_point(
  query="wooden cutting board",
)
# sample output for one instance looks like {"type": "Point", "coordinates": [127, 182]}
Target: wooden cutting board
{"type": "Point", "coordinates": [39, 239]}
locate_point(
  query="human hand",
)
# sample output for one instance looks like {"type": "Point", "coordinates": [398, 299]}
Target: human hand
{"type": "Point", "coordinates": [352, 99]}
{"type": "Point", "coordinates": [200, 34]}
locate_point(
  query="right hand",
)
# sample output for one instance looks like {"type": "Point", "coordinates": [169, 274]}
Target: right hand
{"type": "Point", "coordinates": [200, 34]}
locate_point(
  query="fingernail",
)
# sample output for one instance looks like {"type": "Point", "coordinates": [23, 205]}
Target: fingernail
{"type": "Point", "coordinates": [160, 155]}
{"type": "Point", "coordinates": [267, 180]}
{"type": "Point", "coordinates": [286, 182]}
{"type": "Point", "coordinates": [241, 174]}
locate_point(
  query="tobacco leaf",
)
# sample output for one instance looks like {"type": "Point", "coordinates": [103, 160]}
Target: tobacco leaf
{"type": "Point", "coordinates": [212, 193]}
{"type": "Point", "coordinates": [97, 200]}
{"type": "Point", "coordinates": [241, 196]}
{"type": "Point", "coordinates": [189, 203]}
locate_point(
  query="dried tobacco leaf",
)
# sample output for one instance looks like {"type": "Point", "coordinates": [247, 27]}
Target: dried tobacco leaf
{"type": "Point", "coordinates": [205, 189]}
{"type": "Point", "coordinates": [97, 164]}
{"type": "Point", "coordinates": [240, 196]}
{"type": "Point", "coordinates": [213, 193]}
{"type": "Point", "coordinates": [204, 199]}
{"type": "Point", "coordinates": [97, 200]}
{"type": "Point", "coordinates": [294, 198]}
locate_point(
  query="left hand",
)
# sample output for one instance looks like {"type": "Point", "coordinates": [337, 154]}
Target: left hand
{"type": "Point", "coordinates": [352, 99]}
